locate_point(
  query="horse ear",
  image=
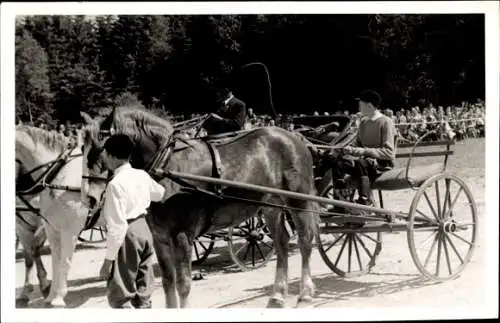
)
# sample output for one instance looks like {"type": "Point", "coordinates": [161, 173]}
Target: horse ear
{"type": "Point", "coordinates": [86, 117]}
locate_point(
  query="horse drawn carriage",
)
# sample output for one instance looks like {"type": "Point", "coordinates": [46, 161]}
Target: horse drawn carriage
{"type": "Point", "coordinates": [351, 234]}
{"type": "Point", "coordinates": [350, 242]}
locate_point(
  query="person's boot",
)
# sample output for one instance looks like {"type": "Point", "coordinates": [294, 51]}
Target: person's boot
{"type": "Point", "coordinates": [365, 191]}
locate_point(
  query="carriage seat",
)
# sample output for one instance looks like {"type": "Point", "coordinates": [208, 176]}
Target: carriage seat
{"type": "Point", "coordinates": [395, 179]}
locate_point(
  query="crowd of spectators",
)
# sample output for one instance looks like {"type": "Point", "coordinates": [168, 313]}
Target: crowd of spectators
{"type": "Point", "coordinates": [452, 122]}
{"type": "Point", "coordinates": [72, 131]}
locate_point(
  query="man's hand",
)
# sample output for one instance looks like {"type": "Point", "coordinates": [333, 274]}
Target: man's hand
{"type": "Point", "coordinates": [215, 116]}
{"type": "Point", "coordinates": [105, 271]}
{"type": "Point", "coordinates": [353, 151]}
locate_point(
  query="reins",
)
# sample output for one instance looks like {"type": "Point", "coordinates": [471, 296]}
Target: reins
{"type": "Point", "coordinates": [41, 183]}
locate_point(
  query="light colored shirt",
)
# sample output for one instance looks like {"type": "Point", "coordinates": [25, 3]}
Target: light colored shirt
{"type": "Point", "coordinates": [376, 136]}
{"type": "Point", "coordinates": [127, 196]}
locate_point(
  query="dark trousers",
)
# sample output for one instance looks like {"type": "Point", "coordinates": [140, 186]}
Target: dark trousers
{"type": "Point", "coordinates": [130, 284]}
{"type": "Point", "coordinates": [365, 167]}
{"type": "Point", "coordinates": [364, 172]}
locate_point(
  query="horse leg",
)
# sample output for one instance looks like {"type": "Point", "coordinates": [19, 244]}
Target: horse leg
{"type": "Point", "coordinates": [60, 280]}
{"type": "Point", "coordinates": [68, 236]}
{"type": "Point", "coordinates": [183, 251]}
{"type": "Point", "coordinates": [29, 276]}
{"type": "Point", "coordinates": [274, 221]}
{"type": "Point", "coordinates": [55, 250]}
{"type": "Point", "coordinates": [164, 254]}
{"type": "Point", "coordinates": [306, 225]}
{"type": "Point", "coordinates": [40, 238]}
{"type": "Point", "coordinates": [27, 239]}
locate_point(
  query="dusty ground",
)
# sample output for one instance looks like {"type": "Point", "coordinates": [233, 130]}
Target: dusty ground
{"type": "Point", "coordinates": [394, 281]}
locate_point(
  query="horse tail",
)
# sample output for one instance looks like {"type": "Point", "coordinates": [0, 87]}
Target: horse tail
{"type": "Point", "coordinates": [268, 77]}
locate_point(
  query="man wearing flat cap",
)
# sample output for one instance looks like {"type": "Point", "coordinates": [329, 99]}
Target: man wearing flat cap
{"type": "Point", "coordinates": [373, 148]}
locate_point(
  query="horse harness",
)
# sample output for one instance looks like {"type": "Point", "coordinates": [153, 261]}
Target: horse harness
{"type": "Point", "coordinates": [29, 186]}
{"type": "Point", "coordinates": [156, 168]}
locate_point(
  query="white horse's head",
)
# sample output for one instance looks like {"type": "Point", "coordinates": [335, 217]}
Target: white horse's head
{"type": "Point", "coordinates": [37, 147]}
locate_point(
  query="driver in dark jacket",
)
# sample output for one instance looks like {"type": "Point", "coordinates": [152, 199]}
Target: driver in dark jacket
{"type": "Point", "coordinates": [230, 117]}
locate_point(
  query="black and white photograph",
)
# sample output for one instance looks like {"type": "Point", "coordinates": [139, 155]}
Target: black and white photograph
{"type": "Point", "coordinates": [337, 161]}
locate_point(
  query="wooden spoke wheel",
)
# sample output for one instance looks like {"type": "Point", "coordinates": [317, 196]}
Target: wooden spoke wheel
{"type": "Point", "coordinates": [93, 235]}
{"type": "Point", "coordinates": [442, 227]}
{"type": "Point", "coordinates": [250, 245]}
{"type": "Point", "coordinates": [346, 250]}
{"type": "Point", "coordinates": [202, 247]}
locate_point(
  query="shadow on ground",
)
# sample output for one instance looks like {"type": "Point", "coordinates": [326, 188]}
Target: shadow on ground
{"type": "Point", "coordinates": [219, 261]}
{"type": "Point", "coordinates": [333, 288]}
{"type": "Point", "coordinates": [74, 298]}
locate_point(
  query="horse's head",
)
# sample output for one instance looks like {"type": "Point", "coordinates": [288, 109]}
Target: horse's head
{"type": "Point", "coordinates": [147, 131]}
{"type": "Point", "coordinates": [35, 148]}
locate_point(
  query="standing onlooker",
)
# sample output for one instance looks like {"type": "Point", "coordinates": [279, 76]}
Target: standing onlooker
{"type": "Point", "coordinates": [128, 266]}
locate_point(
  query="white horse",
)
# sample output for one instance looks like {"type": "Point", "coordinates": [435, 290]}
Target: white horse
{"type": "Point", "coordinates": [62, 209]}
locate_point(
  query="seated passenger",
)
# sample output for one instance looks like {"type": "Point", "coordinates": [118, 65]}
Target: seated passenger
{"type": "Point", "coordinates": [373, 151]}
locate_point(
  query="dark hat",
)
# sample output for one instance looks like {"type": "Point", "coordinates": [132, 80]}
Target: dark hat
{"type": "Point", "coordinates": [370, 96]}
{"type": "Point", "coordinates": [119, 146]}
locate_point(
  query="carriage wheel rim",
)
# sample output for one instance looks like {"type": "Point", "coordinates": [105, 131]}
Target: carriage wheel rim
{"type": "Point", "coordinates": [102, 233]}
{"type": "Point", "coordinates": [204, 251]}
{"type": "Point", "coordinates": [251, 247]}
{"type": "Point", "coordinates": [356, 252]}
{"type": "Point", "coordinates": [444, 236]}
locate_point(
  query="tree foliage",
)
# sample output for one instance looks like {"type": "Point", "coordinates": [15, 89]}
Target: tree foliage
{"type": "Point", "coordinates": [182, 64]}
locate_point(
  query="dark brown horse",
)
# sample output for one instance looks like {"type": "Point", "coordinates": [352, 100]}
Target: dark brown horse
{"type": "Point", "coordinates": [270, 157]}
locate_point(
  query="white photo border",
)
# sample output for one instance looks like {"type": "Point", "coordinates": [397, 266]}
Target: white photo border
{"type": "Point", "coordinates": [8, 12]}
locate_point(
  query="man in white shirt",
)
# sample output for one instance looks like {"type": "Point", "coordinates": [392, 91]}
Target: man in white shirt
{"type": "Point", "coordinates": [128, 266]}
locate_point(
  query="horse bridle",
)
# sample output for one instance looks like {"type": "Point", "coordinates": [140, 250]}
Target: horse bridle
{"type": "Point", "coordinates": [49, 167]}
{"type": "Point", "coordinates": [41, 182]}
{"type": "Point", "coordinates": [101, 136]}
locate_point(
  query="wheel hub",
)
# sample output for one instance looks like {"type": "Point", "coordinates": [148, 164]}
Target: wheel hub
{"type": "Point", "coordinates": [449, 226]}
{"type": "Point", "coordinates": [254, 236]}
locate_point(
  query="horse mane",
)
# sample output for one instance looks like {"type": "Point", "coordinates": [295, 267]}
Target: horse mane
{"type": "Point", "coordinates": [137, 122]}
{"type": "Point", "coordinates": [50, 139]}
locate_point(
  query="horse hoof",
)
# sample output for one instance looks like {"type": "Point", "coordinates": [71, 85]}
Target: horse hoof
{"type": "Point", "coordinates": [304, 302]}
{"type": "Point", "coordinates": [58, 303]}
{"type": "Point", "coordinates": [276, 303]}
{"type": "Point", "coordinates": [22, 302]}
{"type": "Point", "coordinates": [45, 291]}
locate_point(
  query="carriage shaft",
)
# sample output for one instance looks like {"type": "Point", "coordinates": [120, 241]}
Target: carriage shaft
{"type": "Point", "coordinates": [386, 227]}
{"type": "Point", "coordinates": [275, 191]}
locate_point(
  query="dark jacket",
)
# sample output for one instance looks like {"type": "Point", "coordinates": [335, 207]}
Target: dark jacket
{"type": "Point", "coordinates": [234, 114]}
